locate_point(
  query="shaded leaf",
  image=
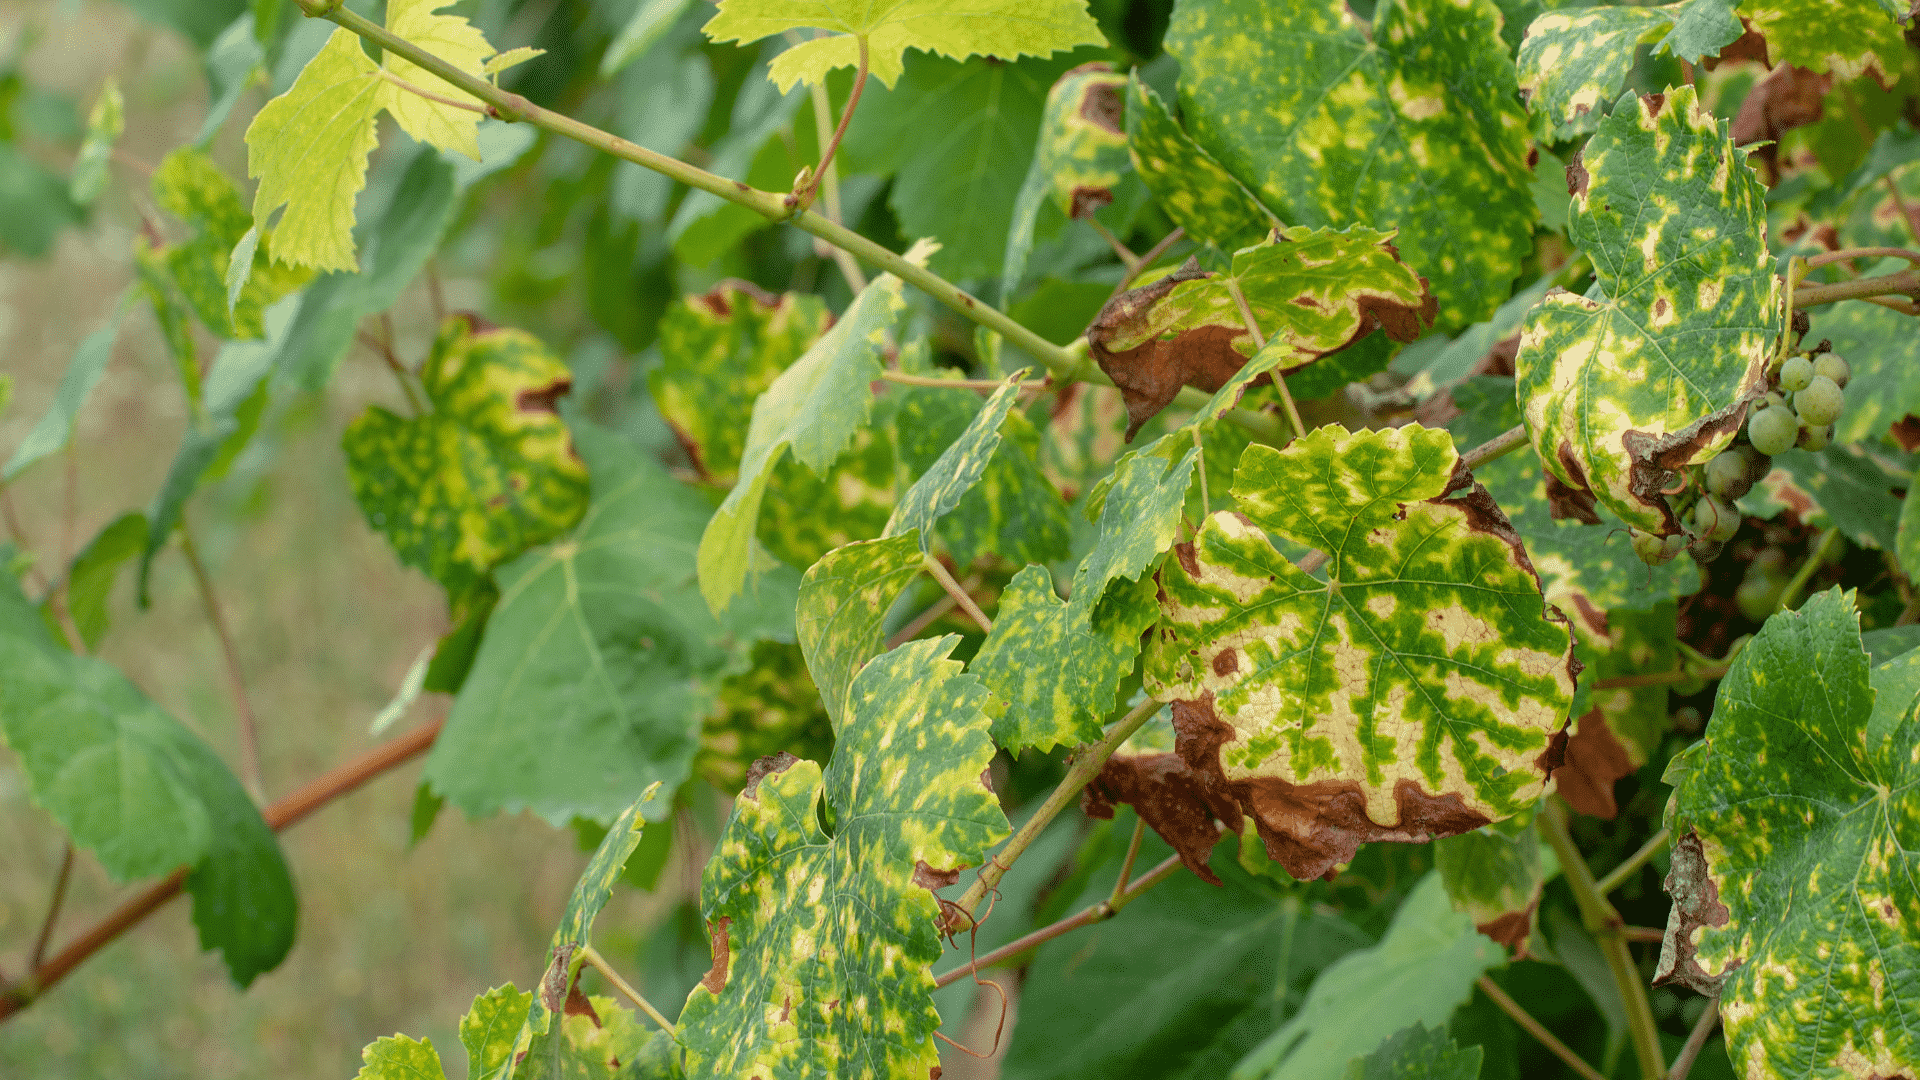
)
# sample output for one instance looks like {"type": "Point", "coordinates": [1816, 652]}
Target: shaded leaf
{"type": "Point", "coordinates": [823, 942]}
{"type": "Point", "coordinates": [1080, 157]}
{"type": "Point", "coordinates": [959, 467]}
{"type": "Point", "coordinates": [1312, 699]}
{"type": "Point", "coordinates": [188, 185]}
{"type": "Point", "coordinates": [771, 707]}
{"type": "Point", "coordinates": [805, 515]}
{"type": "Point", "coordinates": [83, 373]}
{"type": "Point", "coordinates": [1845, 38]}
{"type": "Point", "coordinates": [1835, 486]}
{"type": "Point", "coordinates": [844, 599]}
{"type": "Point", "coordinates": [91, 577]}
{"type": "Point", "coordinates": [1650, 374]}
{"type": "Point", "coordinates": [1793, 875]}
{"type": "Point", "coordinates": [1494, 877]}
{"type": "Point", "coordinates": [1418, 1052]}
{"type": "Point", "coordinates": [1196, 191]}
{"type": "Point", "coordinates": [1885, 386]}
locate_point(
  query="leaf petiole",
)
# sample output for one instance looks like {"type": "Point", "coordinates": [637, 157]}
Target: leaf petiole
{"type": "Point", "coordinates": [802, 197]}
{"type": "Point", "coordinates": [599, 964]}
{"type": "Point", "coordinates": [428, 94]}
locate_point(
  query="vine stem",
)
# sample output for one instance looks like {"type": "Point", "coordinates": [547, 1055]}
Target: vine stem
{"type": "Point", "coordinates": [1126, 864]}
{"type": "Point", "coordinates": [1807, 569]}
{"type": "Point", "coordinates": [1696, 1041]}
{"type": "Point", "coordinates": [939, 571]}
{"type": "Point", "coordinates": [828, 178]}
{"type": "Point", "coordinates": [908, 379]}
{"type": "Point", "coordinates": [1086, 765]}
{"type": "Point", "coordinates": [1659, 678]}
{"type": "Point", "coordinates": [1601, 920]}
{"type": "Point", "coordinates": [1100, 912]}
{"type": "Point", "coordinates": [593, 957]}
{"type": "Point", "coordinates": [1536, 1029]}
{"type": "Point", "coordinates": [236, 686]}
{"type": "Point", "coordinates": [1905, 283]}
{"type": "Point", "coordinates": [280, 816]}
{"type": "Point", "coordinates": [1145, 262]}
{"type": "Point", "coordinates": [1067, 363]}
{"type": "Point", "coordinates": [1618, 876]}
{"type": "Point", "coordinates": [428, 94]}
{"type": "Point", "coordinates": [1260, 342]}
{"type": "Point", "coordinates": [1846, 254]}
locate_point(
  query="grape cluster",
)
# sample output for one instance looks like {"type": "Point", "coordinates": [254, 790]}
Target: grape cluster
{"type": "Point", "coordinates": [1800, 409]}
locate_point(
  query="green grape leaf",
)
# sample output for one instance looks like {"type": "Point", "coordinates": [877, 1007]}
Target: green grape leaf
{"type": "Point", "coordinates": [942, 485]}
{"type": "Point", "coordinates": [1795, 861]}
{"type": "Point", "coordinates": [1419, 1052]}
{"type": "Point", "coordinates": [1311, 291]}
{"type": "Point", "coordinates": [90, 579]}
{"type": "Point", "coordinates": [1138, 523]}
{"type": "Point", "coordinates": [1419, 973]}
{"type": "Point", "coordinates": [1013, 511]}
{"type": "Point", "coordinates": [1495, 878]}
{"type": "Point", "coordinates": [957, 29]}
{"type": "Point", "coordinates": [718, 352]}
{"type": "Point", "coordinates": [1196, 191]}
{"type": "Point", "coordinates": [1896, 685]}
{"type": "Point", "coordinates": [1081, 156]}
{"type": "Point", "coordinates": [803, 516]}
{"type": "Point", "coordinates": [575, 933]}
{"type": "Point", "coordinates": [597, 1039]}
{"type": "Point", "coordinates": [489, 1029]}
{"type": "Point", "coordinates": [104, 125]}
{"type": "Point", "coordinates": [188, 185]}
{"type": "Point", "coordinates": [813, 408]}
{"type": "Point", "coordinates": [823, 942]}
{"type": "Point", "coordinates": [1574, 62]}
{"type": "Point", "coordinates": [594, 1044]}
{"type": "Point", "coordinates": [770, 707]}
{"type": "Point", "coordinates": [1623, 388]}
{"type": "Point", "coordinates": [1313, 701]}
{"type": "Point", "coordinates": [1054, 677]}
{"type": "Point", "coordinates": [83, 373]}
{"type": "Point", "coordinates": [1846, 38]}
{"type": "Point", "coordinates": [1585, 570]}
{"type": "Point", "coordinates": [1836, 486]}
{"type": "Point", "coordinates": [844, 600]}
{"type": "Point", "coordinates": [328, 116]}
{"type": "Point", "coordinates": [485, 475]}
{"type": "Point", "coordinates": [1415, 126]}
{"type": "Point", "coordinates": [140, 791]}
{"type": "Point", "coordinates": [597, 664]}
{"type": "Point", "coordinates": [1885, 387]}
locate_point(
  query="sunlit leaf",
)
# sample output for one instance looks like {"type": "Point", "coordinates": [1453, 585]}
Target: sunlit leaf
{"type": "Point", "coordinates": [188, 185]}
{"type": "Point", "coordinates": [844, 599]}
{"type": "Point", "coordinates": [1573, 63]}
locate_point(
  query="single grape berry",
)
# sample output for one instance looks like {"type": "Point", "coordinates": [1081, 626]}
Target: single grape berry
{"type": "Point", "coordinates": [1651, 549]}
{"type": "Point", "coordinates": [1728, 475]}
{"type": "Point", "coordinates": [1773, 431]}
{"type": "Point", "coordinates": [1820, 403]}
{"type": "Point", "coordinates": [1715, 520]}
{"type": "Point", "coordinates": [1796, 373]}
{"type": "Point", "coordinates": [1676, 544]}
{"type": "Point", "coordinates": [1773, 399]}
{"type": "Point", "coordinates": [1833, 367]}
{"type": "Point", "coordinates": [1704, 550]}
{"type": "Point", "coordinates": [1757, 596]}
{"type": "Point", "coordinates": [1815, 438]}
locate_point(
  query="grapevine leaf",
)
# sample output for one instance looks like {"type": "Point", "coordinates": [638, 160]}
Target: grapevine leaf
{"type": "Point", "coordinates": [488, 1030]}
{"type": "Point", "coordinates": [1419, 973]}
{"type": "Point", "coordinates": [813, 408]}
{"type": "Point", "coordinates": [1418, 1052]}
{"type": "Point", "coordinates": [309, 146]}
{"type": "Point", "coordinates": [719, 351]}
{"type": "Point", "coordinates": [1885, 386]}
{"type": "Point", "coordinates": [1844, 38]}
{"type": "Point", "coordinates": [596, 1039]}
{"type": "Point", "coordinates": [822, 942]}
{"type": "Point", "coordinates": [1315, 291]}
{"type": "Point", "coordinates": [400, 1057]}
{"type": "Point", "coordinates": [104, 125]}
{"type": "Point", "coordinates": [1003, 29]}
{"type": "Point", "coordinates": [1315, 701]}
{"type": "Point", "coordinates": [1907, 541]}
{"type": "Point", "coordinates": [138, 789]}
{"type": "Point", "coordinates": [770, 707]}
{"type": "Point", "coordinates": [83, 373]}
{"type": "Point", "coordinates": [598, 662]}
{"type": "Point", "coordinates": [1495, 878]}
{"type": "Point", "coordinates": [958, 468]}
{"type": "Point", "coordinates": [1896, 685]}
{"type": "Point", "coordinates": [804, 516]}
{"type": "Point", "coordinates": [1081, 156]}
{"type": "Point", "coordinates": [1415, 127]}
{"type": "Point", "coordinates": [844, 599]}
{"type": "Point", "coordinates": [485, 475]}
{"type": "Point", "coordinates": [1014, 511]}
{"type": "Point", "coordinates": [1055, 677]}
{"type": "Point", "coordinates": [1573, 62]}
{"type": "Point", "coordinates": [1793, 875]}
{"type": "Point", "coordinates": [1835, 486]}
{"type": "Point", "coordinates": [1138, 523]}
{"type": "Point", "coordinates": [588, 1050]}
{"type": "Point", "coordinates": [188, 185]}
{"type": "Point", "coordinates": [1615, 730]}
{"type": "Point", "coordinates": [90, 579]}
{"type": "Point", "coordinates": [1624, 388]}
{"type": "Point", "coordinates": [1196, 191]}
{"type": "Point", "coordinates": [575, 933]}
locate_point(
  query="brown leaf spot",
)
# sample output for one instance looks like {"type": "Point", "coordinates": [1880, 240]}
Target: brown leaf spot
{"type": "Point", "coordinates": [1696, 903]}
{"type": "Point", "coordinates": [542, 398]}
{"type": "Point", "coordinates": [1500, 358]}
{"type": "Point", "coordinates": [1226, 662]}
{"type": "Point", "coordinates": [1906, 432]}
{"type": "Point", "coordinates": [1151, 374]}
{"type": "Point", "coordinates": [1748, 46]}
{"type": "Point", "coordinates": [1088, 199]}
{"type": "Point", "coordinates": [1101, 104]}
{"type": "Point", "coordinates": [1653, 460]}
{"type": "Point", "coordinates": [716, 299]}
{"type": "Point", "coordinates": [932, 880]}
{"type": "Point", "coordinates": [762, 768]}
{"type": "Point", "coordinates": [578, 1005]}
{"type": "Point", "coordinates": [1595, 762]}
{"type": "Point", "coordinates": [1791, 97]}
{"type": "Point", "coordinates": [1401, 322]}
{"type": "Point", "coordinates": [553, 981]}
{"type": "Point", "coordinates": [715, 980]}
{"type": "Point", "coordinates": [1577, 178]}
{"type": "Point", "coordinates": [1573, 500]}
{"type": "Point", "coordinates": [1652, 104]}
{"type": "Point", "coordinates": [1177, 802]}
{"type": "Point", "coordinates": [1595, 619]}
{"type": "Point", "coordinates": [1511, 929]}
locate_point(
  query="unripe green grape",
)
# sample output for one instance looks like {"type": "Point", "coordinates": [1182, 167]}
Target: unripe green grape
{"type": "Point", "coordinates": [1772, 399]}
{"type": "Point", "coordinates": [1688, 721]}
{"type": "Point", "coordinates": [1704, 550]}
{"type": "Point", "coordinates": [1757, 595]}
{"type": "Point", "coordinates": [1676, 544]}
{"type": "Point", "coordinates": [1816, 438]}
{"type": "Point", "coordinates": [1768, 561]}
{"type": "Point", "coordinates": [1773, 430]}
{"type": "Point", "coordinates": [1651, 549]}
{"type": "Point", "coordinates": [1833, 367]}
{"type": "Point", "coordinates": [1821, 402]}
{"type": "Point", "coordinates": [1795, 373]}
{"type": "Point", "coordinates": [1715, 520]}
{"type": "Point", "coordinates": [1728, 475]}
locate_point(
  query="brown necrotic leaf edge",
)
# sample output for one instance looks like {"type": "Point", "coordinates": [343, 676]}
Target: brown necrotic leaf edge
{"type": "Point", "coordinates": [1696, 904]}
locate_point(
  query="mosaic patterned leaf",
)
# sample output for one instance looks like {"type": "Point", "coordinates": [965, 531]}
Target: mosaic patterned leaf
{"type": "Point", "coordinates": [1314, 291]}
{"type": "Point", "coordinates": [1417, 692]}
{"type": "Point", "coordinates": [1623, 388]}
{"type": "Point", "coordinates": [803, 515]}
{"type": "Point", "coordinates": [1573, 63]}
{"type": "Point", "coordinates": [823, 942]}
{"type": "Point", "coordinates": [958, 468]}
{"type": "Point", "coordinates": [600, 1040]}
{"type": "Point", "coordinates": [1083, 148]}
{"type": "Point", "coordinates": [488, 473]}
{"type": "Point", "coordinates": [1054, 678]}
{"type": "Point", "coordinates": [1799, 847]}
{"type": "Point", "coordinates": [188, 185]}
{"type": "Point", "coordinates": [844, 598]}
{"type": "Point", "coordinates": [1846, 37]}
{"type": "Point", "coordinates": [1138, 523]}
{"type": "Point", "coordinates": [1835, 486]}
{"type": "Point", "coordinates": [813, 409]}
{"type": "Point", "coordinates": [957, 29]}
{"type": "Point", "coordinates": [772, 706]}
{"type": "Point", "coordinates": [1196, 191]}
{"type": "Point", "coordinates": [719, 351]}
{"type": "Point", "coordinates": [1415, 125]}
